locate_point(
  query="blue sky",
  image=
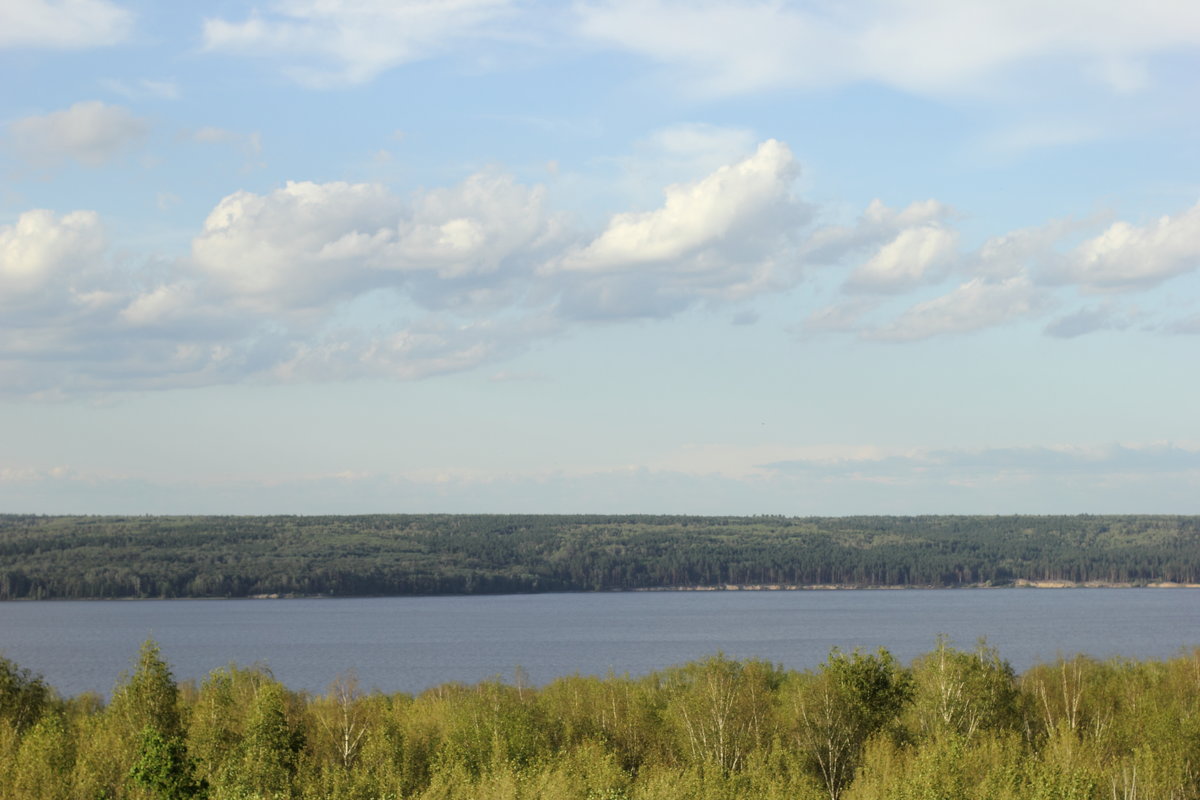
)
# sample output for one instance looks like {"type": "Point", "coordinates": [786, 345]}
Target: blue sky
{"type": "Point", "coordinates": [308, 256]}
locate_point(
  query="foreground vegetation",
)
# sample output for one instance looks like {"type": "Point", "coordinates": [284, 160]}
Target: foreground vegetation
{"type": "Point", "coordinates": [953, 724]}
{"type": "Point", "coordinates": [78, 557]}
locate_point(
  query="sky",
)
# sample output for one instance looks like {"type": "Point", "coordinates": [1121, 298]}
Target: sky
{"type": "Point", "coordinates": [623, 256]}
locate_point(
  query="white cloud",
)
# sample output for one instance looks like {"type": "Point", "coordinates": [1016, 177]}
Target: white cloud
{"type": "Point", "coordinates": [322, 281]}
{"type": "Point", "coordinates": [719, 210]}
{"type": "Point", "coordinates": [725, 236]}
{"type": "Point", "coordinates": [728, 46]}
{"type": "Point", "coordinates": [74, 320]}
{"type": "Point", "coordinates": [723, 47]}
{"type": "Point", "coordinates": [474, 228]}
{"type": "Point", "coordinates": [1126, 256]}
{"type": "Point", "coordinates": [63, 24]}
{"type": "Point", "coordinates": [416, 351]}
{"type": "Point", "coordinates": [275, 281]}
{"type": "Point", "coordinates": [917, 255]}
{"type": "Point", "coordinates": [921, 250]}
{"type": "Point", "coordinates": [1016, 252]}
{"type": "Point", "coordinates": [674, 154]}
{"type": "Point", "coordinates": [41, 253]}
{"type": "Point", "coordinates": [877, 225]}
{"type": "Point", "coordinates": [309, 245]}
{"type": "Point", "coordinates": [159, 305]}
{"type": "Point", "coordinates": [972, 306]}
{"type": "Point", "coordinates": [353, 41]}
{"type": "Point", "coordinates": [301, 245]}
{"type": "Point", "coordinates": [91, 133]}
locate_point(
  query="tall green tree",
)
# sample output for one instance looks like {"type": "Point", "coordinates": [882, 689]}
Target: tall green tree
{"type": "Point", "coordinates": [269, 748]}
{"type": "Point", "coordinates": [146, 705]}
{"type": "Point", "coordinates": [721, 709]}
{"type": "Point", "coordinates": [45, 762]}
{"type": "Point", "coordinates": [963, 692]}
{"type": "Point", "coordinates": [23, 695]}
{"type": "Point", "coordinates": [149, 698]}
{"type": "Point", "coordinates": [834, 713]}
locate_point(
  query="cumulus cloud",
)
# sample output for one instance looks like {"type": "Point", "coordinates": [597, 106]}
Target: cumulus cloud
{"type": "Point", "coordinates": [73, 319]}
{"type": "Point", "coordinates": [877, 226]}
{"type": "Point", "coordinates": [722, 208]}
{"type": "Point", "coordinates": [1018, 252]}
{"type": "Point", "coordinates": [307, 244]}
{"type": "Point", "coordinates": [727, 46]}
{"type": "Point", "coordinates": [917, 255]}
{"type": "Point", "coordinates": [452, 278]}
{"type": "Point", "coordinates": [431, 347]}
{"type": "Point", "coordinates": [1126, 256]}
{"type": "Point", "coordinates": [1018, 275]}
{"type": "Point", "coordinates": [323, 281]}
{"type": "Point", "coordinates": [351, 42]}
{"type": "Point", "coordinates": [42, 256]}
{"type": "Point", "coordinates": [63, 24]}
{"type": "Point", "coordinates": [724, 236]}
{"type": "Point", "coordinates": [261, 293]}
{"type": "Point", "coordinates": [298, 245]}
{"type": "Point", "coordinates": [977, 304]}
{"type": "Point", "coordinates": [678, 153]}
{"type": "Point", "coordinates": [91, 133]}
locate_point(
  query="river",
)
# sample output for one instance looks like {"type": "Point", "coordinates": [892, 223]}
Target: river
{"type": "Point", "coordinates": [412, 643]}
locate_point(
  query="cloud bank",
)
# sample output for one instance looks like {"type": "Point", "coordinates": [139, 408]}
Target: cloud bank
{"type": "Point", "coordinates": [338, 280]}
{"type": "Point", "coordinates": [62, 24]}
{"type": "Point", "coordinates": [91, 133]}
{"type": "Point", "coordinates": [731, 46]}
{"type": "Point", "coordinates": [330, 44]}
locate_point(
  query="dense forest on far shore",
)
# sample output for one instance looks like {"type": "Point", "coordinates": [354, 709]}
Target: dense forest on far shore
{"type": "Point", "coordinates": [953, 725]}
{"type": "Point", "coordinates": [397, 554]}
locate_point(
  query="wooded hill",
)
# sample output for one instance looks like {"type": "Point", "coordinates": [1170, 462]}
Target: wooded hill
{"type": "Point", "coordinates": [217, 556]}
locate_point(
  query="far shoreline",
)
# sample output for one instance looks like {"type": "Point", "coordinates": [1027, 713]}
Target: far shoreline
{"type": "Point", "coordinates": [730, 587]}
{"type": "Point", "coordinates": [847, 587]}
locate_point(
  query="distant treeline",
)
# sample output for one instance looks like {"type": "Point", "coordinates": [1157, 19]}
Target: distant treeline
{"type": "Point", "coordinates": [953, 725]}
{"type": "Point", "coordinates": [217, 556]}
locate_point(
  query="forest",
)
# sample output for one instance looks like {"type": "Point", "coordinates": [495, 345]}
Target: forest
{"type": "Point", "coordinates": [229, 556]}
{"type": "Point", "coordinates": [954, 724]}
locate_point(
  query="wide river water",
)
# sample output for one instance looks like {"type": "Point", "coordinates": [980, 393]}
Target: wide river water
{"type": "Point", "coordinates": [412, 643]}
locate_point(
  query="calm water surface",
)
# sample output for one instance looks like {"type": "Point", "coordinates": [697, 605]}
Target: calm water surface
{"type": "Point", "coordinates": [409, 644]}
